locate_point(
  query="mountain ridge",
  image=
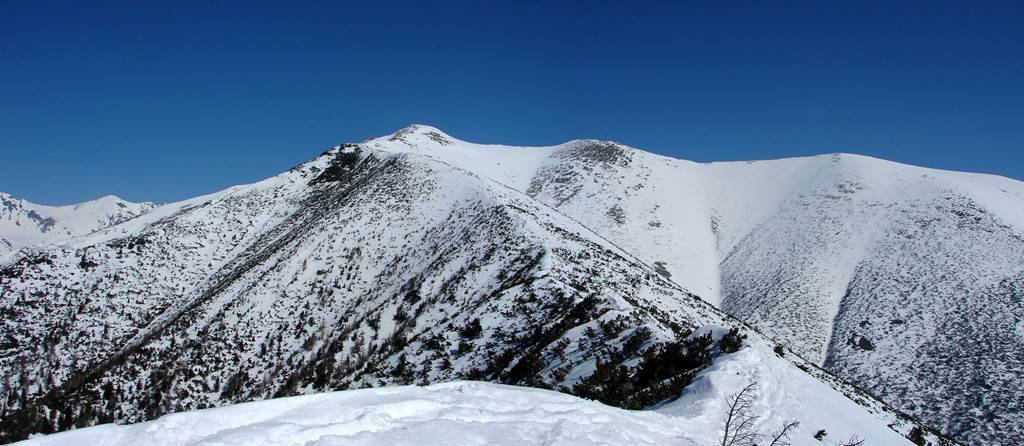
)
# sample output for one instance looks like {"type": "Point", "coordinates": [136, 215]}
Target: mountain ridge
{"type": "Point", "coordinates": [784, 244]}
{"type": "Point", "coordinates": [780, 244]}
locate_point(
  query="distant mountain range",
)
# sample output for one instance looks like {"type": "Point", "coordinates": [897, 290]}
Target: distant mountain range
{"type": "Point", "coordinates": [588, 267]}
{"type": "Point", "coordinates": [23, 223]}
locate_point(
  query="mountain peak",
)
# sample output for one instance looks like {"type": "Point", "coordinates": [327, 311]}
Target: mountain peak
{"type": "Point", "coordinates": [107, 199]}
{"type": "Point", "coordinates": [421, 128]}
{"type": "Point", "coordinates": [419, 134]}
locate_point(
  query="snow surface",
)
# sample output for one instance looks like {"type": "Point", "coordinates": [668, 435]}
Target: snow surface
{"type": "Point", "coordinates": [478, 413]}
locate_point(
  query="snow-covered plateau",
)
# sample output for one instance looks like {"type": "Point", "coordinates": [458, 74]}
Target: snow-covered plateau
{"type": "Point", "coordinates": [894, 293]}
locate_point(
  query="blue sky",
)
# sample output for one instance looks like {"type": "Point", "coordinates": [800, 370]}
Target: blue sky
{"type": "Point", "coordinates": [166, 100]}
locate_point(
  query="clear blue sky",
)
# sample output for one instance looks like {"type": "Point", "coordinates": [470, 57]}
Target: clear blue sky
{"type": "Point", "coordinates": [166, 100]}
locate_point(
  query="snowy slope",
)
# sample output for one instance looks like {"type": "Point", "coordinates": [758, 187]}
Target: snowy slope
{"type": "Point", "coordinates": [23, 223]}
{"type": "Point", "coordinates": [881, 272]}
{"type": "Point", "coordinates": [477, 413]}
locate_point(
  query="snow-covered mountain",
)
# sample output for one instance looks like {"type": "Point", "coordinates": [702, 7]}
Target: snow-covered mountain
{"type": "Point", "coordinates": [23, 223]}
{"type": "Point", "coordinates": [587, 267]}
{"type": "Point", "coordinates": [359, 268]}
{"type": "Point", "coordinates": [904, 280]}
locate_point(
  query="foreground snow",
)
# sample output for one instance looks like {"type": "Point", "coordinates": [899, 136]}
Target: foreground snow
{"type": "Point", "coordinates": [478, 413]}
{"type": "Point", "coordinates": [441, 414]}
